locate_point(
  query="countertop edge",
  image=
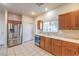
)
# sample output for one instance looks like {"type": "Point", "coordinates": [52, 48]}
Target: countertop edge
{"type": "Point", "coordinates": [60, 38]}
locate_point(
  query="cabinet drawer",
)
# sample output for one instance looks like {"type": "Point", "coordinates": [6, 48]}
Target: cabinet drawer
{"type": "Point", "coordinates": [57, 42]}
{"type": "Point", "coordinates": [70, 45]}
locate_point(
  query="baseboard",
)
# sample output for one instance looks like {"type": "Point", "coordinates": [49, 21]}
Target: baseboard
{"type": "Point", "coordinates": [27, 41]}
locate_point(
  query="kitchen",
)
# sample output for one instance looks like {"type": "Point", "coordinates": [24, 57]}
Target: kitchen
{"type": "Point", "coordinates": [53, 31]}
{"type": "Point", "coordinates": [57, 31]}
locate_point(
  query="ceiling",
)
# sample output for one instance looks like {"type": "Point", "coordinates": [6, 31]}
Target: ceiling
{"type": "Point", "coordinates": [28, 8]}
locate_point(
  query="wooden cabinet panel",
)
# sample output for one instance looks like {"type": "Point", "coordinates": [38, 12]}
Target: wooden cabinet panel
{"type": "Point", "coordinates": [65, 21]}
{"type": "Point", "coordinates": [14, 22]}
{"type": "Point", "coordinates": [76, 15]}
{"type": "Point", "coordinates": [57, 48]}
{"type": "Point", "coordinates": [68, 52]}
{"type": "Point", "coordinates": [61, 22]}
{"type": "Point", "coordinates": [57, 42]}
{"type": "Point", "coordinates": [48, 44]}
{"type": "Point", "coordinates": [70, 45]}
{"type": "Point", "coordinates": [42, 42]}
{"type": "Point", "coordinates": [52, 46]}
{"type": "Point", "coordinates": [69, 48]}
{"type": "Point", "coordinates": [69, 21]}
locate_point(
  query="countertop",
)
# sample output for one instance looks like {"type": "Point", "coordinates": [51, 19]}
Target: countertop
{"type": "Point", "coordinates": [60, 37]}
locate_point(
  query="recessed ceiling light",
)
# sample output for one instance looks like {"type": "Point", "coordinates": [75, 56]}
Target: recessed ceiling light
{"type": "Point", "coordinates": [46, 9]}
{"type": "Point", "coordinates": [33, 13]}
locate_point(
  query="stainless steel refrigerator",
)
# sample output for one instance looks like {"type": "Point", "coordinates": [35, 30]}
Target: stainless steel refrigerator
{"type": "Point", "coordinates": [14, 34]}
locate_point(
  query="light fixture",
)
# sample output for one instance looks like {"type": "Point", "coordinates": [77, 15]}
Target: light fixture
{"type": "Point", "coordinates": [39, 4]}
{"type": "Point", "coordinates": [46, 9]}
{"type": "Point", "coordinates": [33, 13]}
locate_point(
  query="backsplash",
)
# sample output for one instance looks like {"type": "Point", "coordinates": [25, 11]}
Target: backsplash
{"type": "Point", "coordinates": [70, 31]}
{"type": "Point", "coordinates": [73, 34]}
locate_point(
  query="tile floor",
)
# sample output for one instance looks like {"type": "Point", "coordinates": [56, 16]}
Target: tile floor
{"type": "Point", "coordinates": [25, 49]}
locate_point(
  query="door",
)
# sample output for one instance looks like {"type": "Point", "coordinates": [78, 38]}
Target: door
{"type": "Point", "coordinates": [27, 32]}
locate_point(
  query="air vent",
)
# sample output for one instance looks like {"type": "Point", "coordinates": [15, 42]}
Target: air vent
{"type": "Point", "coordinates": [39, 4]}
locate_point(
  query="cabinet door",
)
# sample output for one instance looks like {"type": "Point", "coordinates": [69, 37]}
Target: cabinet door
{"type": "Point", "coordinates": [68, 52]}
{"type": "Point", "coordinates": [76, 19]}
{"type": "Point", "coordinates": [48, 44]}
{"type": "Point", "coordinates": [69, 48]}
{"type": "Point", "coordinates": [42, 42]}
{"type": "Point", "coordinates": [57, 47]}
{"type": "Point", "coordinates": [68, 20]}
{"type": "Point", "coordinates": [61, 22]}
{"type": "Point", "coordinates": [65, 21]}
{"type": "Point", "coordinates": [57, 50]}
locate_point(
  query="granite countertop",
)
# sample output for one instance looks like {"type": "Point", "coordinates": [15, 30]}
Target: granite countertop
{"type": "Point", "coordinates": [59, 36]}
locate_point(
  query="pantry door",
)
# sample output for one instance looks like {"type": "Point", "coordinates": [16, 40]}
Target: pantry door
{"type": "Point", "coordinates": [27, 32]}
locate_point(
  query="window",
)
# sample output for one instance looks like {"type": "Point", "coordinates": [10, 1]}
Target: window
{"type": "Point", "coordinates": [50, 26]}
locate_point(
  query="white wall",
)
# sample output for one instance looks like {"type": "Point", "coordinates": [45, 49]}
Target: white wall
{"type": "Point", "coordinates": [2, 28]}
{"type": "Point", "coordinates": [12, 16]}
{"type": "Point", "coordinates": [5, 29]}
{"type": "Point", "coordinates": [59, 10]}
{"type": "Point", "coordinates": [53, 14]}
{"type": "Point", "coordinates": [28, 25]}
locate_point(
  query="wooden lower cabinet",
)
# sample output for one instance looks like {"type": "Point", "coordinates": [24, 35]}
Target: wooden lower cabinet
{"type": "Point", "coordinates": [68, 52]}
{"type": "Point", "coordinates": [57, 47]}
{"type": "Point", "coordinates": [48, 44]}
{"type": "Point", "coordinates": [42, 42]}
{"type": "Point", "coordinates": [69, 49]}
{"type": "Point", "coordinates": [57, 50]}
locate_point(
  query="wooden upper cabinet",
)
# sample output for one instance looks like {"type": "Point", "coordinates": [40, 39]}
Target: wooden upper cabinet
{"type": "Point", "coordinates": [76, 13]}
{"type": "Point", "coordinates": [39, 24]}
{"type": "Point", "coordinates": [69, 21]}
{"type": "Point", "coordinates": [14, 22]}
{"type": "Point", "coordinates": [65, 21]}
{"type": "Point", "coordinates": [61, 22]}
